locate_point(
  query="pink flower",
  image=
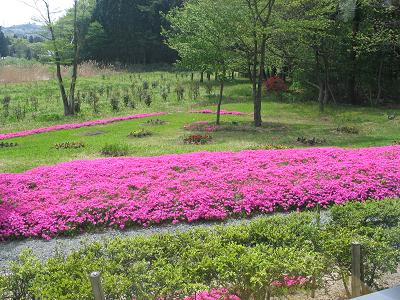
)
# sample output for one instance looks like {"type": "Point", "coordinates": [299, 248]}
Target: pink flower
{"type": "Point", "coordinates": [116, 192]}
{"type": "Point", "coordinates": [75, 125]}
{"type": "Point", "coordinates": [222, 112]}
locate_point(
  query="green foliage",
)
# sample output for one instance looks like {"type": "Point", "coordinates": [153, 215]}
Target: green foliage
{"type": "Point", "coordinates": [69, 145]}
{"type": "Point", "coordinates": [348, 129]}
{"type": "Point", "coordinates": [6, 106]}
{"type": "Point", "coordinates": [115, 150]}
{"type": "Point", "coordinates": [3, 45]}
{"type": "Point", "coordinates": [114, 102]}
{"type": "Point", "coordinates": [140, 133]}
{"type": "Point", "coordinates": [133, 25]}
{"type": "Point", "coordinates": [249, 259]}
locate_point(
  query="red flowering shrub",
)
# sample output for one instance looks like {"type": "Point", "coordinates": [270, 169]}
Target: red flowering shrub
{"type": "Point", "coordinates": [197, 139]}
{"type": "Point", "coordinates": [276, 84]}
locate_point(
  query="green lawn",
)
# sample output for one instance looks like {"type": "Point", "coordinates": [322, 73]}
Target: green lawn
{"type": "Point", "coordinates": [284, 123]}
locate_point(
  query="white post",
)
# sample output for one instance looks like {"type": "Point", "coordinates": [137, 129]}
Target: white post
{"type": "Point", "coordinates": [95, 280]}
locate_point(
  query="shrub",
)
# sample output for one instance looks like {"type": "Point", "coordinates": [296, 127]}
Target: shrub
{"type": "Point", "coordinates": [19, 113]}
{"type": "Point", "coordinates": [209, 88]}
{"type": "Point", "coordinates": [147, 99]}
{"type": "Point", "coordinates": [114, 102]}
{"type": "Point", "coordinates": [94, 101]}
{"type": "Point", "coordinates": [154, 122]}
{"type": "Point", "coordinates": [6, 106]}
{"type": "Point", "coordinates": [115, 150]}
{"type": "Point", "coordinates": [348, 129]}
{"type": "Point", "coordinates": [311, 141]}
{"type": "Point", "coordinates": [164, 92]}
{"type": "Point", "coordinates": [127, 100]}
{"type": "Point", "coordinates": [197, 139]}
{"type": "Point", "coordinates": [267, 257]}
{"type": "Point", "coordinates": [194, 90]}
{"type": "Point", "coordinates": [69, 145]}
{"type": "Point", "coordinates": [268, 147]}
{"type": "Point", "coordinates": [140, 133]}
{"type": "Point", "coordinates": [78, 103]}
{"type": "Point", "coordinates": [180, 91]}
{"type": "Point", "coordinates": [276, 84]}
{"type": "Point", "coordinates": [154, 84]}
{"type": "Point", "coordinates": [7, 145]}
{"type": "Point", "coordinates": [34, 103]}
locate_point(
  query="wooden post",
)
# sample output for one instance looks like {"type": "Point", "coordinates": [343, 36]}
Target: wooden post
{"type": "Point", "coordinates": [313, 287]}
{"type": "Point", "coordinates": [355, 269]}
{"type": "Point", "coordinates": [95, 280]}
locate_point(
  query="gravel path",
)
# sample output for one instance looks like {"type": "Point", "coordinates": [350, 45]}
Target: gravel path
{"type": "Point", "coordinates": [42, 249]}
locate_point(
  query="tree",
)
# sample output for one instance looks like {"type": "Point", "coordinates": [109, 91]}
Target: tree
{"type": "Point", "coordinates": [56, 45]}
{"type": "Point", "coordinates": [260, 12]}
{"type": "Point", "coordinates": [201, 33]}
{"type": "Point", "coordinates": [133, 30]}
{"type": "Point", "coordinates": [3, 44]}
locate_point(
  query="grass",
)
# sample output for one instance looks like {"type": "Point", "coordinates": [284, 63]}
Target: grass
{"type": "Point", "coordinates": [284, 124]}
{"type": "Point", "coordinates": [284, 121]}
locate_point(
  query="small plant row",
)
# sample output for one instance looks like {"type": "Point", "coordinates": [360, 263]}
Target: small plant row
{"type": "Point", "coordinates": [129, 94]}
{"type": "Point", "coordinates": [7, 145]}
{"type": "Point", "coordinates": [154, 122]}
{"type": "Point", "coordinates": [311, 141]}
{"type": "Point", "coordinates": [197, 139]}
{"type": "Point", "coordinates": [348, 130]}
{"type": "Point", "coordinates": [269, 147]}
{"type": "Point", "coordinates": [140, 133]}
{"type": "Point", "coordinates": [69, 145]}
{"type": "Point", "coordinates": [265, 258]}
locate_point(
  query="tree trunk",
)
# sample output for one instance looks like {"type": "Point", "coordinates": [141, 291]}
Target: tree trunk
{"type": "Point", "coordinates": [257, 104]}
{"type": "Point", "coordinates": [233, 75]}
{"type": "Point", "coordinates": [321, 85]}
{"type": "Point", "coordinates": [353, 55]}
{"type": "Point", "coordinates": [379, 94]}
{"type": "Point", "coordinates": [208, 76]}
{"type": "Point", "coordinates": [57, 57]}
{"type": "Point", "coordinates": [221, 93]}
{"type": "Point", "coordinates": [321, 95]}
{"type": "Point", "coordinates": [75, 64]}
{"type": "Point", "coordinates": [202, 77]}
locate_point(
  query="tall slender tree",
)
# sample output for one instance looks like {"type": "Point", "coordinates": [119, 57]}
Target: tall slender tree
{"type": "Point", "coordinates": [202, 34]}
{"type": "Point", "coordinates": [56, 45]}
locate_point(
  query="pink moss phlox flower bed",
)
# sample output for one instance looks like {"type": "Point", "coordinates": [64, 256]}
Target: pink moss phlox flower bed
{"type": "Point", "coordinates": [223, 112]}
{"type": "Point", "coordinates": [76, 125]}
{"type": "Point", "coordinates": [119, 192]}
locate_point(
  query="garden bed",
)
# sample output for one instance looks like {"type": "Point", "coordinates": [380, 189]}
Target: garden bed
{"type": "Point", "coordinates": [120, 192]}
{"type": "Point", "coordinates": [75, 125]}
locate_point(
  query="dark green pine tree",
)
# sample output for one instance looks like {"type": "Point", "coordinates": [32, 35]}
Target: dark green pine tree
{"type": "Point", "coordinates": [133, 29]}
{"type": "Point", "coordinates": [3, 44]}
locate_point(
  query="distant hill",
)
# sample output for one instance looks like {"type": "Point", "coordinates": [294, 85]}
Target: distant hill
{"type": "Point", "coordinates": [22, 30]}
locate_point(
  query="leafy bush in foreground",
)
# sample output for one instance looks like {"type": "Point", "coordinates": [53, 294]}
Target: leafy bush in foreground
{"type": "Point", "coordinates": [256, 261]}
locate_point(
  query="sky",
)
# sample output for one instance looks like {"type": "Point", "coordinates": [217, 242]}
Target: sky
{"type": "Point", "coordinates": [15, 12]}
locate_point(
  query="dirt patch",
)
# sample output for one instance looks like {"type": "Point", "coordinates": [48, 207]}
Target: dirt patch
{"type": "Point", "coordinates": [92, 133]}
{"type": "Point", "coordinates": [249, 127]}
